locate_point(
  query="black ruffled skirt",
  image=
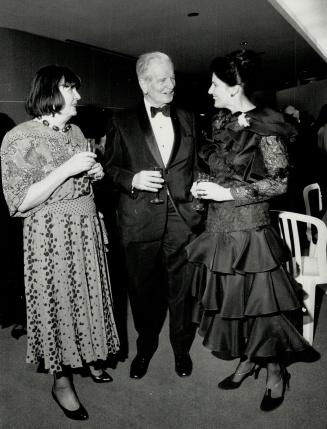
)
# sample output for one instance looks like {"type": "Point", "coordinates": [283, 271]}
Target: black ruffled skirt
{"type": "Point", "coordinates": [246, 302]}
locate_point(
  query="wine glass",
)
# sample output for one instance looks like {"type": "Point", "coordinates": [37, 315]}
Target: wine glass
{"type": "Point", "coordinates": [199, 204]}
{"type": "Point", "coordinates": [157, 199]}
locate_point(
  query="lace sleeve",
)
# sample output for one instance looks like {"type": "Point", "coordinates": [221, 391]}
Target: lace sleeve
{"type": "Point", "coordinates": [275, 183]}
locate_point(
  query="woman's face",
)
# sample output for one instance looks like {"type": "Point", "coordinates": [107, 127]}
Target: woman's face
{"type": "Point", "coordinates": [71, 97]}
{"type": "Point", "coordinates": [221, 92]}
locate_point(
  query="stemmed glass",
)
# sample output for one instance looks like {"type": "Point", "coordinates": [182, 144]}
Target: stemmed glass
{"type": "Point", "coordinates": [199, 204]}
{"type": "Point", "coordinates": [157, 199]}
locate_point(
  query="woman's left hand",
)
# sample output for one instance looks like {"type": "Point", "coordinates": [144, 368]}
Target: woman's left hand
{"type": "Point", "coordinates": [213, 191]}
{"type": "Point", "coordinates": [96, 172]}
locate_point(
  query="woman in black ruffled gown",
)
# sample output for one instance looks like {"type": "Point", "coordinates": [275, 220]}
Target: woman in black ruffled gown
{"type": "Point", "coordinates": [247, 303]}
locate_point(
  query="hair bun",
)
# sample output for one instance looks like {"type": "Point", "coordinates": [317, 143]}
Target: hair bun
{"type": "Point", "coordinates": [246, 65]}
{"type": "Point", "coordinates": [240, 67]}
{"type": "Point", "coordinates": [245, 59]}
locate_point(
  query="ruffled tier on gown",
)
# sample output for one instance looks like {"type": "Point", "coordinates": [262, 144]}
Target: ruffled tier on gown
{"type": "Point", "coordinates": [247, 303]}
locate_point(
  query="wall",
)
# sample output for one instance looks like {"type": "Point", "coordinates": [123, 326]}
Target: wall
{"type": "Point", "coordinates": [309, 97]}
{"type": "Point", "coordinates": [107, 80]}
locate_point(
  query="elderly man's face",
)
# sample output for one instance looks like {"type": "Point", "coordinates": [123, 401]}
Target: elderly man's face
{"type": "Point", "coordinates": [158, 86]}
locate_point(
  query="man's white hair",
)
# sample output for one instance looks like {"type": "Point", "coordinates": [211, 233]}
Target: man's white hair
{"type": "Point", "coordinates": [144, 61]}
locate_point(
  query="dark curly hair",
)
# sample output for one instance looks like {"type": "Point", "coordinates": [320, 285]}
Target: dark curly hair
{"type": "Point", "coordinates": [238, 68]}
{"type": "Point", "coordinates": [45, 97]}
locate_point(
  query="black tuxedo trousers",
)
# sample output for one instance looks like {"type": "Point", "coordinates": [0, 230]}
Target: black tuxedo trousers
{"type": "Point", "coordinates": [160, 278]}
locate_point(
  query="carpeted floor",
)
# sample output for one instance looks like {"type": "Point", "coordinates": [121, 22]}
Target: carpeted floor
{"type": "Point", "coordinates": [162, 400]}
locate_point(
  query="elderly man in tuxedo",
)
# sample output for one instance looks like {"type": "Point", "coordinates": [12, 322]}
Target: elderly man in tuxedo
{"type": "Point", "coordinates": [151, 157]}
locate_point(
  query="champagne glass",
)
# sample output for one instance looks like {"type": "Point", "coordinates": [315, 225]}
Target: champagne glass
{"type": "Point", "coordinates": [199, 205]}
{"type": "Point", "coordinates": [90, 148]}
{"type": "Point", "coordinates": [91, 145]}
{"type": "Point", "coordinates": [157, 199]}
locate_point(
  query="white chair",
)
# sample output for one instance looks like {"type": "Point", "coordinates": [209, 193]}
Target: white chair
{"type": "Point", "coordinates": [310, 270]}
{"type": "Point", "coordinates": [307, 192]}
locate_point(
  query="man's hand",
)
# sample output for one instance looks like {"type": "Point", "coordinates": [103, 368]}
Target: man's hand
{"type": "Point", "coordinates": [147, 180]}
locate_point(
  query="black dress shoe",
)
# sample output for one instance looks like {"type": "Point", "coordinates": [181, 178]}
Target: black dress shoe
{"type": "Point", "coordinates": [139, 367]}
{"type": "Point", "coordinates": [270, 403]}
{"type": "Point", "coordinates": [104, 377]}
{"type": "Point", "coordinates": [229, 384]}
{"type": "Point", "coordinates": [79, 414]}
{"type": "Point", "coordinates": [18, 331]}
{"type": "Point", "coordinates": [183, 365]}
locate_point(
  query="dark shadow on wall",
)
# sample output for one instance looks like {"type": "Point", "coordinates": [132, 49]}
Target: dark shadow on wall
{"type": "Point", "coordinates": [12, 293]}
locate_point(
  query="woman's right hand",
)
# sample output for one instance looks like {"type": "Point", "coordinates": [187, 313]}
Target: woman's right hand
{"type": "Point", "coordinates": [78, 163]}
{"type": "Point", "coordinates": [213, 191]}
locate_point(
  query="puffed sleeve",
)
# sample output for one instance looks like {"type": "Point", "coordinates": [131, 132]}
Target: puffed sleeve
{"type": "Point", "coordinates": [275, 181]}
{"type": "Point", "coordinates": [22, 164]}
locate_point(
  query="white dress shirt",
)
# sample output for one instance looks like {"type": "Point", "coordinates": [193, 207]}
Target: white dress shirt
{"type": "Point", "coordinates": [163, 131]}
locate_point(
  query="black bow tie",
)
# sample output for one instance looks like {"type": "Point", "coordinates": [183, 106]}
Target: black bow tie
{"type": "Point", "coordinates": [165, 110]}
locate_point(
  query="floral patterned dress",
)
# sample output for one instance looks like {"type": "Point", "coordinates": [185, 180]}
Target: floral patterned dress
{"type": "Point", "coordinates": [247, 303]}
{"type": "Point", "coordinates": [68, 297]}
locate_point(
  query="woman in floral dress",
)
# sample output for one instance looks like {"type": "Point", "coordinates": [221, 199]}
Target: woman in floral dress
{"type": "Point", "coordinates": [47, 174]}
{"type": "Point", "coordinates": [246, 299]}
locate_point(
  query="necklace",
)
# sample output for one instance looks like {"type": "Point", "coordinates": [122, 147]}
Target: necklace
{"type": "Point", "coordinates": [55, 128]}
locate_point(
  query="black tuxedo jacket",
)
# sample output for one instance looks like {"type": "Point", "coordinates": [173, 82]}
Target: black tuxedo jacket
{"type": "Point", "coordinates": [130, 148]}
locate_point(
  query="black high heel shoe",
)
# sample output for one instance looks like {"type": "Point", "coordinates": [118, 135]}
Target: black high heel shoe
{"type": "Point", "coordinates": [269, 403]}
{"type": "Point", "coordinates": [228, 383]}
{"type": "Point", "coordinates": [79, 414]}
{"type": "Point", "coordinates": [104, 377]}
